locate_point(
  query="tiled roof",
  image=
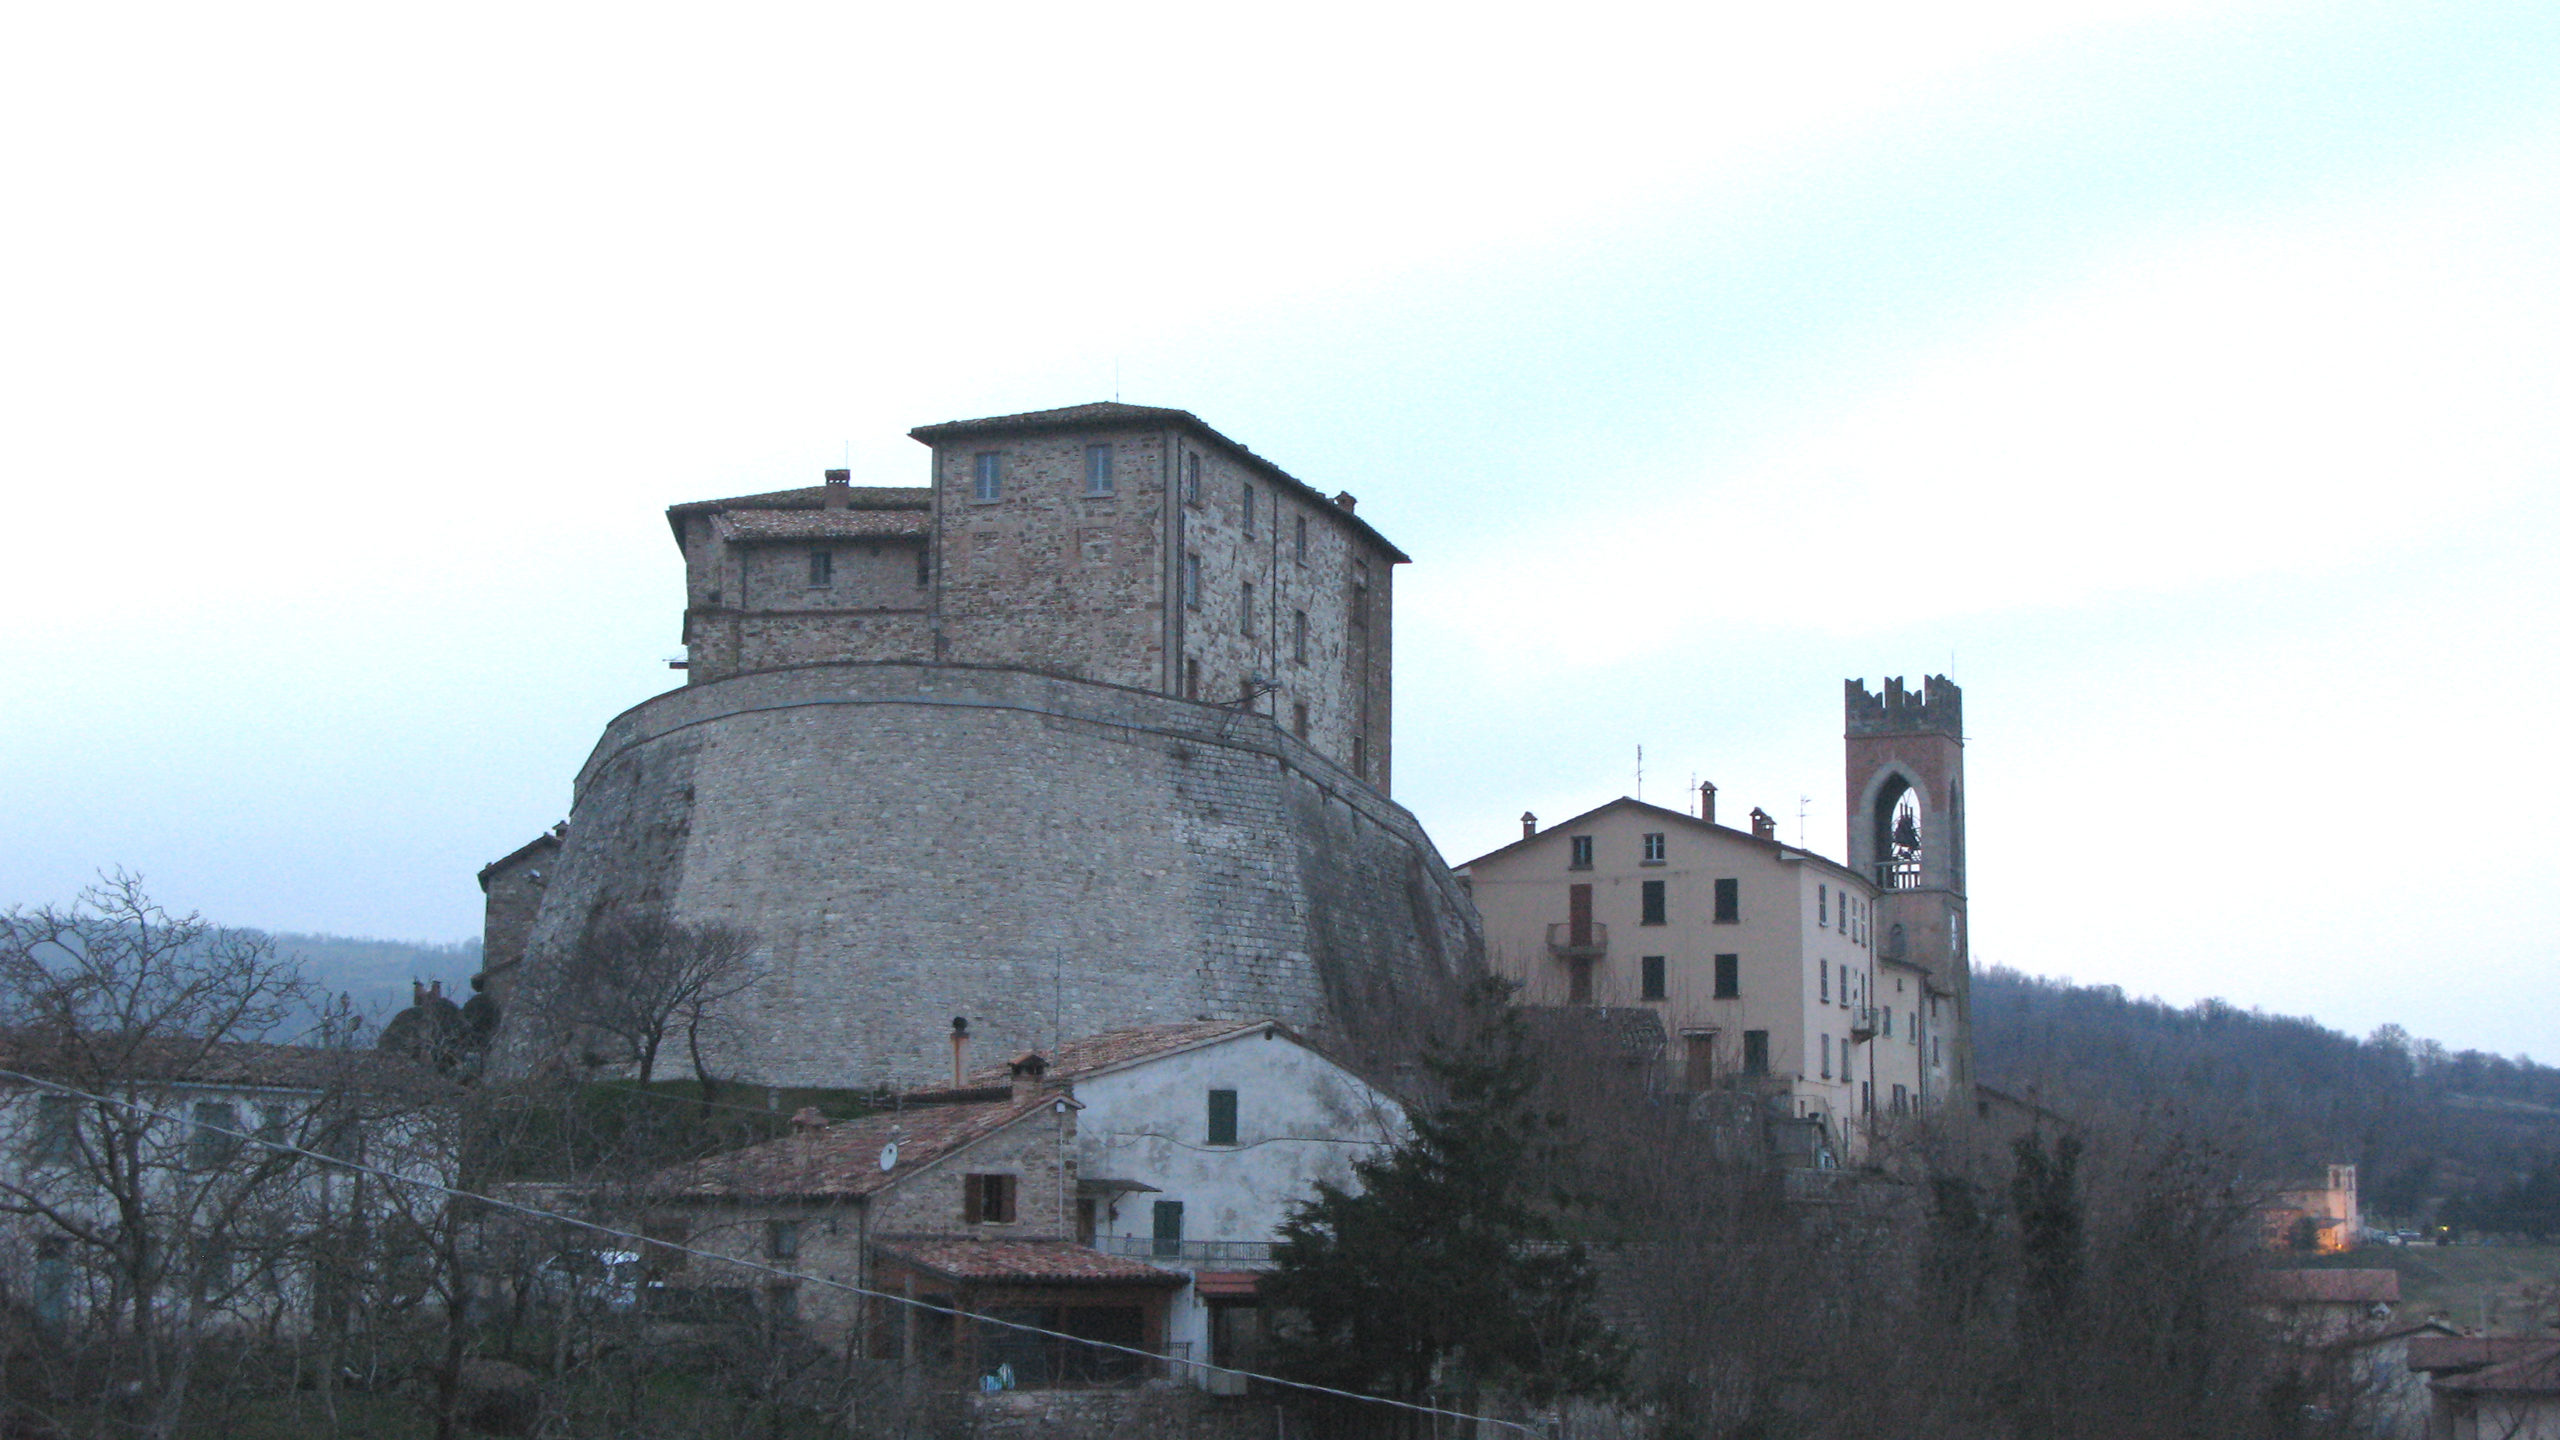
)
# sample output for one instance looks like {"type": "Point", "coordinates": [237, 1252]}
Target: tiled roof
{"type": "Point", "coordinates": [841, 1161]}
{"type": "Point", "coordinates": [1111, 413]}
{"type": "Point", "coordinates": [1776, 847]}
{"type": "Point", "coordinates": [1114, 1048]}
{"type": "Point", "coordinates": [816, 497]}
{"type": "Point", "coordinates": [971, 1260]}
{"type": "Point", "coordinates": [198, 1062]}
{"type": "Point", "coordinates": [1633, 1032]}
{"type": "Point", "coordinates": [756, 525]}
{"type": "Point", "coordinates": [2473, 1352]}
{"type": "Point", "coordinates": [2537, 1373]}
{"type": "Point", "coordinates": [2330, 1287]}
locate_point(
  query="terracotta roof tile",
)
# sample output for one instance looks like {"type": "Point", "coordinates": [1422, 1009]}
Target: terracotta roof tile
{"type": "Point", "coordinates": [2534, 1373]}
{"type": "Point", "coordinates": [970, 1259]}
{"type": "Point", "coordinates": [198, 1062]}
{"type": "Point", "coordinates": [2471, 1352]}
{"type": "Point", "coordinates": [1114, 1048]}
{"type": "Point", "coordinates": [842, 1161]}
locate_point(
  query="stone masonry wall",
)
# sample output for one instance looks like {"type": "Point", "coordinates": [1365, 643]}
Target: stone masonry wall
{"type": "Point", "coordinates": [1045, 856]}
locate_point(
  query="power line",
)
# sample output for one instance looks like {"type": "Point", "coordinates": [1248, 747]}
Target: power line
{"type": "Point", "coordinates": [824, 1282]}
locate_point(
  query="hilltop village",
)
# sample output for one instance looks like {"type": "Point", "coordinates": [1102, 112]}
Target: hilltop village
{"type": "Point", "coordinates": [982, 997]}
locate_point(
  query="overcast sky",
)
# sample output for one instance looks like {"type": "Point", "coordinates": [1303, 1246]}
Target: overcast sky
{"type": "Point", "coordinates": [2179, 378]}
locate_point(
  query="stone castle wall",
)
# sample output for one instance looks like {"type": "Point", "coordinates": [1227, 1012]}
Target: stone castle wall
{"type": "Point", "coordinates": [1043, 855]}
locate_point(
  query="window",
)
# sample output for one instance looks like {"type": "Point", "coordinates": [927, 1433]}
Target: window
{"type": "Point", "coordinates": [1755, 1052]}
{"type": "Point", "coordinates": [1728, 977]}
{"type": "Point", "coordinates": [1248, 509]}
{"type": "Point", "coordinates": [1822, 905]}
{"type": "Point", "coordinates": [1728, 902]}
{"type": "Point", "coordinates": [1656, 902]}
{"type": "Point", "coordinates": [1301, 528]}
{"type": "Point", "coordinates": [990, 484]}
{"type": "Point", "coordinates": [52, 1289]}
{"type": "Point", "coordinates": [216, 1137]}
{"type": "Point", "coordinates": [782, 1239]}
{"type": "Point", "coordinates": [1657, 984]}
{"type": "Point", "coordinates": [1191, 679]}
{"type": "Point", "coordinates": [987, 1199]}
{"type": "Point", "coordinates": [1826, 1057]}
{"type": "Point", "coordinates": [924, 566]}
{"type": "Point", "coordinates": [1359, 594]}
{"type": "Point", "coordinates": [57, 1130]}
{"type": "Point", "coordinates": [1702, 1061]}
{"type": "Point", "coordinates": [1222, 1117]}
{"type": "Point", "coordinates": [1244, 610]}
{"type": "Point", "coordinates": [1190, 479]}
{"type": "Point", "coordinates": [1901, 1099]}
{"type": "Point", "coordinates": [822, 568]}
{"type": "Point", "coordinates": [1168, 1229]}
{"type": "Point", "coordinates": [661, 1252]}
{"type": "Point", "coordinates": [1654, 848]}
{"type": "Point", "coordinates": [1097, 469]}
{"type": "Point", "coordinates": [1826, 983]}
{"type": "Point", "coordinates": [1190, 581]}
{"type": "Point", "coordinates": [1299, 714]}
{"type": "Point", "coordinates": [1360, 756]}
{"type": "Point", "coordinates": [1888, 1022]}
{"type": "Point", "coordinates": [1298, 636]}
{"type": "Point", "coordinates": [1935, 1059]}
{"type": "Point", "coordinates": [1581, 852]}
{"type": "Point", "coordinates": [1866, 1092]}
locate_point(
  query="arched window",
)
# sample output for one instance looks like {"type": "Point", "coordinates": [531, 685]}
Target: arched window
{"type": "Point", "coordinates": [1897, 836]}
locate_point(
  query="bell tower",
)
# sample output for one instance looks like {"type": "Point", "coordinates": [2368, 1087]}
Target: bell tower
{"type": "Point", "coordinates": [1906, 834]}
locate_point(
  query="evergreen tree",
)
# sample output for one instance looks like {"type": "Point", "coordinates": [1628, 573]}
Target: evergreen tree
{"type": "Point", "coordinates": [1449, 1261]}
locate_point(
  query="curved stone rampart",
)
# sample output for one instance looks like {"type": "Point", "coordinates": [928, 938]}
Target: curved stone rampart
{"type": "Point", "coordinates": [1046, 856]}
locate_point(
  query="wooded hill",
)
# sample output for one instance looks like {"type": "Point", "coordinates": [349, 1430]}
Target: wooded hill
{"type": "Point", "coordinates": [2463, 1136]}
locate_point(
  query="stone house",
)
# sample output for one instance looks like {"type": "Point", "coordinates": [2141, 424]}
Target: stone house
{"type": "Point", "coordinates": [2325, 1212]}
{"type": "Point", "coordinates": [962, 1199]}
{"type": "Point", "coordinates": [2490, 1387]}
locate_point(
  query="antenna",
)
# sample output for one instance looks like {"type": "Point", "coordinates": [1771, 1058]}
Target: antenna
{"type": "Point", "coordinates": [1115, 379]}
{"type": "Point", "coordinates": [1639, 772]}
{"type": "Point", "coordinates": [1803, 803]}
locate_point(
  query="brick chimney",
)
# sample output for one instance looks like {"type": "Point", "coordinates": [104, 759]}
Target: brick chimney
{"type": "Point", "coordinates": [959, 1049]}
{"type": "Point", "coordinates": [1707, 801]}
{"type": "Point", "coordinates": [807, 1121]}
{"type": "Point", "coordinates": [1762, 826]}
{"type": "Point", "coordinates": [1528, 824]}
{"type": "Point", "coordinates": [839, 489]}
{"type": "Point", "coordinates": [1347, 501]}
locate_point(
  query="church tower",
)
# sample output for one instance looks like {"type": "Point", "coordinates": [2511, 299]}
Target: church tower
{"type": "Point", "coordinates": [1906, 833]}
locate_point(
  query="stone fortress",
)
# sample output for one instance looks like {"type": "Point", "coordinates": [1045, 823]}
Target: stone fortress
{"type": "Point", "coordinates": [1094, 730]}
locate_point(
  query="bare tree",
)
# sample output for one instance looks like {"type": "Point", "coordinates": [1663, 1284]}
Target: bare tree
{"type": "Point", "coordinates": [139, 1176]}
{"type": "Point", "coordinates": [640, 978]}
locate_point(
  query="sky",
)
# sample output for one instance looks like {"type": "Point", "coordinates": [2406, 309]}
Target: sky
{"type": "Point", "coordinates": [2178, 378]}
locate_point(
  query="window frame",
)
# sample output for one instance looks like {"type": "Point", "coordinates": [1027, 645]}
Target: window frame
{"type": "Point", "coordinates": [986, 477]}
{"type": "Point", "coordinates": [1728, 901]}
{"type": "Point", "coordinates": [1655, 903]}
{"type": "Point", "coordinates": [1654, 977]}
{"type": "Point", "coordinates": [1578, 853]}
{"type": "Point", "coordinates": [1728, 979]}
{"type": "Point", "coordinates": [1099, 482]}
{"type": "Point", "coordinates": [1657, 848]}
{"type": "Point", "coordinates": [1223, 1118]}
{"type": "Point", "coordinates": [991, 1197]}
{"type": "Point", "coordinates": [822, 569]}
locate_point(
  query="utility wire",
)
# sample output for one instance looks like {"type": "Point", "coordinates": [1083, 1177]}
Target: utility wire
{"type": "Point", "coordinates": [825, 1282]}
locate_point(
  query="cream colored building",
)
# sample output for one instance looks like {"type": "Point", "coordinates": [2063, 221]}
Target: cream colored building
{"type": "Point", "coordinates": [1760, 957]}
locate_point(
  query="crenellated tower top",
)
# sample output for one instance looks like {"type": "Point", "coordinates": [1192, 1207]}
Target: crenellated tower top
{"type": "Point", "coordinates": [1936, 708]}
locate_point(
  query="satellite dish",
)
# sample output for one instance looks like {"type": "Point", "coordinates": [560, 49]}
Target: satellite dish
{"type": "Point", "coordinates": [889, 1156]}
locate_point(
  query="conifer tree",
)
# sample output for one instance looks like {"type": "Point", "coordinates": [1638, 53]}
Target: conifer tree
{"type": "Point", "coordinates": [1449, 1262]}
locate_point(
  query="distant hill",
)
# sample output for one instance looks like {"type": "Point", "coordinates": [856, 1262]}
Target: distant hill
{"type": "Point", "coordinates": [376, 973]}
{"type": "Point", "coordinates": [2426, 1126]}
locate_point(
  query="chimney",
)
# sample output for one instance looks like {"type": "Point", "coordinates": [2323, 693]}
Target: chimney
{"type": "Point", "coordinates": [435, 989]}
{"type": "Point", "coordinates": [1347, 501]}
{"type": "Point", "coordinates": [1528, 824]}
{"type": "Point", "coordinates": [807, 1121]}
{"type": "Point", "coordinates": [1707, 801]}
{"type": "Point", "coordinates": [959, 1047]}
{"type": "Point", "coordinates": [839, 490]}
{"type": "Point", "coordinates": [840, 477]}
{"type": "Point", "coordinates": [1762, 826]}
{"type": "Point", "coordinates": [417, 993]}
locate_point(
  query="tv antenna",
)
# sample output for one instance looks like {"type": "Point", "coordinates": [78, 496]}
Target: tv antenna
{"type": "Point", "coordinates": [1803, 803]}
{"type": "Point", "coordinates": [1639, 772]}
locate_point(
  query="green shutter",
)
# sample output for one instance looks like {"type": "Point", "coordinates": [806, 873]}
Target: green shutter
{"type": "Point", "coordinates": [1222, 1117]}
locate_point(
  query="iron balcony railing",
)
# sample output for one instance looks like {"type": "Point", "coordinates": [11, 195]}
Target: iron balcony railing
{"type": "Point", "coordinates": [1862, 1023]}
{"type": "Point", "coordinates": [1591, 944]}
{"type": "Point", "coordinates": [1209, 1254]}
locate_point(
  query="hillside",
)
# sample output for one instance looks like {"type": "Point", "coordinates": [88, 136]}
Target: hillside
{"type": "Point", "coordinates": [2429, 1127]}
{"type": "Point", "coordinates": [375, 974]}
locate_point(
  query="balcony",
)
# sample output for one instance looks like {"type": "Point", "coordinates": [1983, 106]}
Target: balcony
{"type": "Point", "coordinates": [1571, 942]}
{"type": "Point", "coordinates": [1862, 1024]}
{"type": "Point", "coordinates": [1194, 1254]}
